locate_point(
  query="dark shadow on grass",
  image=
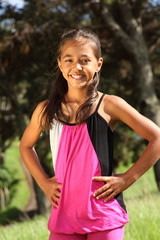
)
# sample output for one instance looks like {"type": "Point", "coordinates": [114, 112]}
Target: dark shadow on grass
{"type": "Point", "coordinates": [15, 215]}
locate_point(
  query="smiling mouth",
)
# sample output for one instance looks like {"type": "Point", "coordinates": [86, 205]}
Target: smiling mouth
{"type": "Point", "coordinates": [78, 77]}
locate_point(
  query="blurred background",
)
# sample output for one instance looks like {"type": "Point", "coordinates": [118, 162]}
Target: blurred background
{"type": "Point", "coordinates": [129, 31]}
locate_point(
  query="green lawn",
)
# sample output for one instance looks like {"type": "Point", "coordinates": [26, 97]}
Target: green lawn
{"type": "Point", "coordinates": [35, 229]}
{"type": "Point", "coordinates": [143, 204]}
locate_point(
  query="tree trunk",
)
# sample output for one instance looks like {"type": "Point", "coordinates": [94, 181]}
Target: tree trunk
{"type": "Point", "coordinates": [149, 103]}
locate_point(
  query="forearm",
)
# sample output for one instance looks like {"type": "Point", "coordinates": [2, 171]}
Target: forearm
{"type": "Point", "coordinates": [32, 162]}
{"type": "Point", "coordinates": [147, 160]}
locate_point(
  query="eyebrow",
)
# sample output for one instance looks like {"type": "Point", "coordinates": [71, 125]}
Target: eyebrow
{"type": "Point", "coordinates": [68, 55]}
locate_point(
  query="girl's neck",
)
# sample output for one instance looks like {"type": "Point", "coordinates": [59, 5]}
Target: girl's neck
{"type": "Point", "coordinates": [76, 96]}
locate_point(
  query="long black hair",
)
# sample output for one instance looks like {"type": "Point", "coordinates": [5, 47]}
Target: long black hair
{"type": "Point", "coordinates": [53, 107]}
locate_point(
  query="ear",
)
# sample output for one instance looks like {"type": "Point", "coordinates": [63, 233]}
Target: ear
{"type": "Point", "coordinates": [100, 62]}
{"type": "Point", "coordinates": [59, 64]}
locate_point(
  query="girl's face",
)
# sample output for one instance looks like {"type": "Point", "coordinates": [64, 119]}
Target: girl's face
{"type": "Point", "coordinates": [78, 63]}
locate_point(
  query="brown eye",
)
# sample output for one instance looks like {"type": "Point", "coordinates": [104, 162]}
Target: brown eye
{"type": "Point", "coordinates": [85, 60]}
{"type": "Point", "coordinates": [68, 60]}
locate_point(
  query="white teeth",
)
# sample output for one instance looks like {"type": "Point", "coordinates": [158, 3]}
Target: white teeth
{"type": "Point", "coordinates": [77, 76]}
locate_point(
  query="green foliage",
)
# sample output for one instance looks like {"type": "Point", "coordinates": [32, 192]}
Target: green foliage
{"type": "Point", "coordinates": [5, 181]}
{"type": "Point", "coordinates": [18, 189]}
{"type": "Point", "coordinates": [128, 145]}
{"type": "Point", "coordinates": [5, 177]}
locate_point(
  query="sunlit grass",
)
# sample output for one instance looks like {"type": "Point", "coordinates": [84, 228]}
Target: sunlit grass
{"type": "Point", "coordinates": [35, 229]}
{"type": "Point", "coordinates": [143, 204]}
{"type": "Point", "coordinates": [145, 218]}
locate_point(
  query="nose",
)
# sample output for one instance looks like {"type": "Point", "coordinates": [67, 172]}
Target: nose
{"type": "Point", "coordinates": [78, 66]}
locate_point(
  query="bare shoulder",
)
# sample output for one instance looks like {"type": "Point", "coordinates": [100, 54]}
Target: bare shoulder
{"type": "Point", "coordinates": [113, 103]}
{"type": "Point", "coordinates": [40, 106]}
{"type": "Point", "coordinates": [35, 127]}
{"type": "Point", "coordinates": [119, 109]}
{"type": "Point", "coordinates": [112, 100]}
{"type": "Point", "coordinates": [38, 113]}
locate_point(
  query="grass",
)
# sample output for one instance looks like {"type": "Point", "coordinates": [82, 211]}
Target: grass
{"type": "Point", "coordinates": [143, 204]}
{"type": "Point", "coordinates": [34, 229]}
{"type": "Point", "coordinates": [144, 217]}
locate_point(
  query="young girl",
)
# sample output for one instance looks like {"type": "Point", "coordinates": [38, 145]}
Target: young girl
{"type": "Point", "coordinates": [86, 198]}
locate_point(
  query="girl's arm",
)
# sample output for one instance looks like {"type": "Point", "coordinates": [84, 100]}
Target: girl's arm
{"type": "Point", "coordinates": [31, 160]}
{"type": "Point", "coordinates": [118, 109]}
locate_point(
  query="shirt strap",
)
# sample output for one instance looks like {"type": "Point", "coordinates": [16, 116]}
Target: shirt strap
{"type": "Point", "coordinates": [100, 100]}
